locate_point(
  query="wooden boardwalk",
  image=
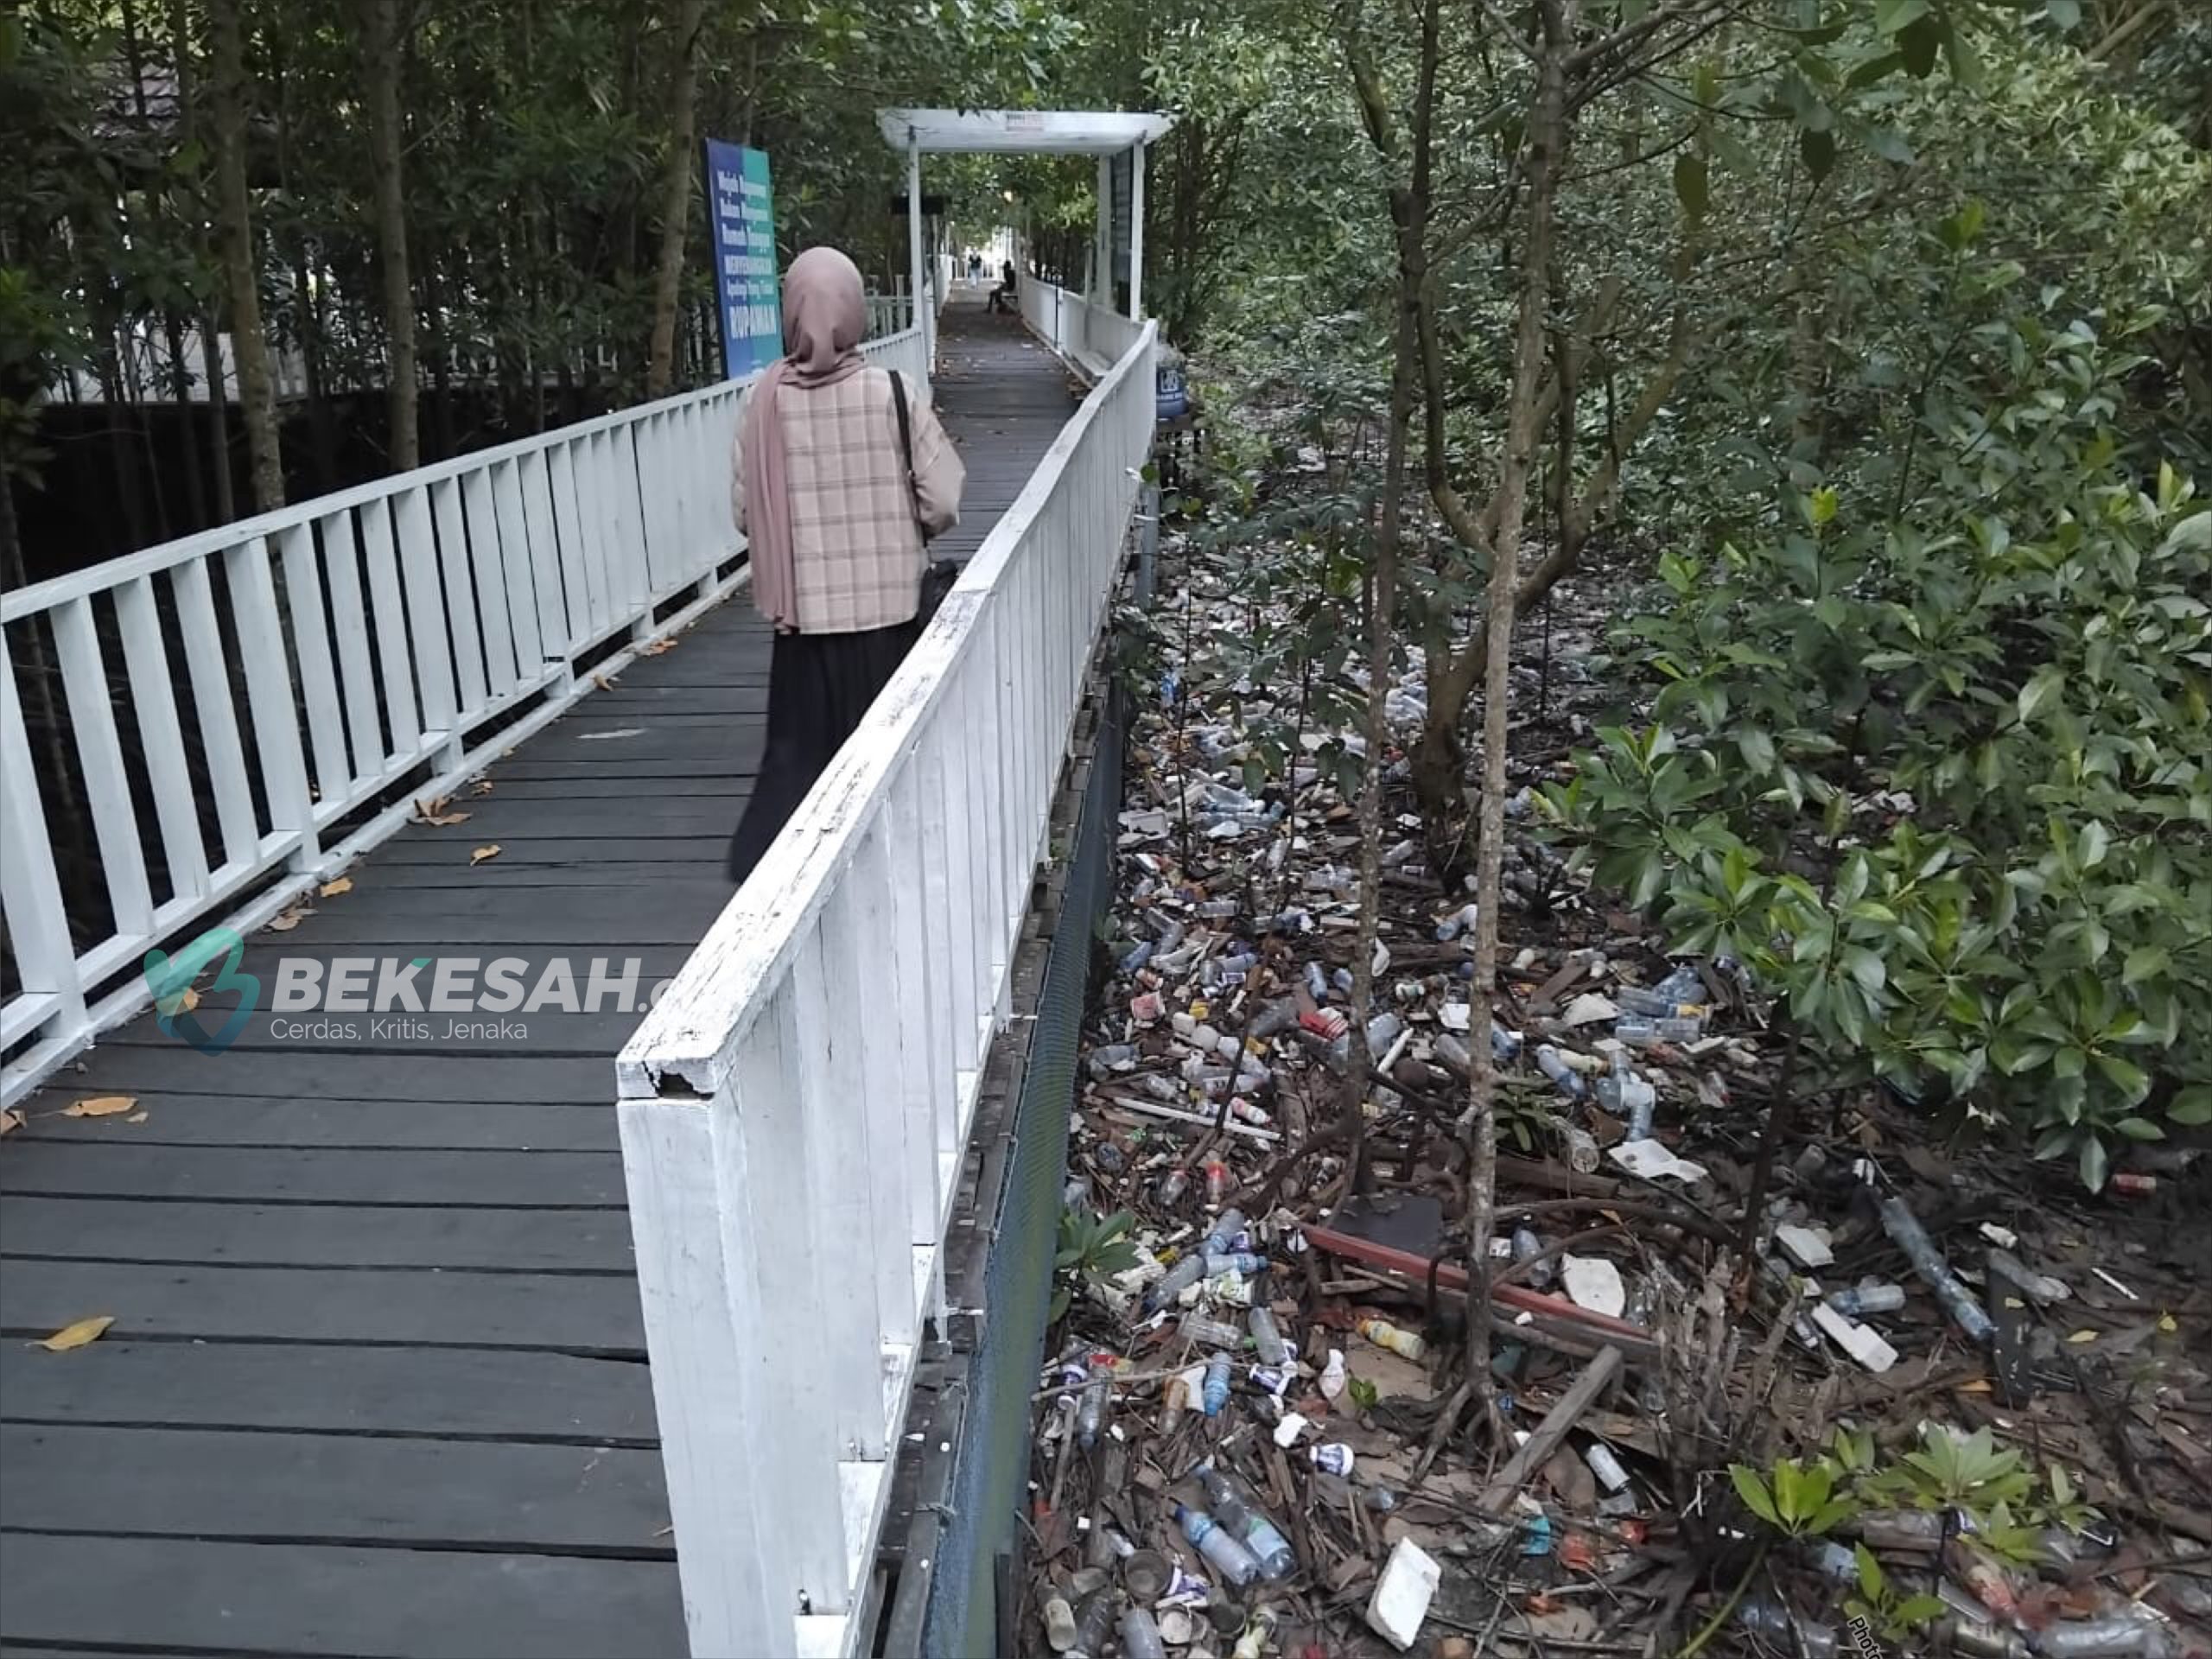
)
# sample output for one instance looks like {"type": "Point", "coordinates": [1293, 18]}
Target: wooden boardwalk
{"type": "Point", "coordinates": [376, 1382]}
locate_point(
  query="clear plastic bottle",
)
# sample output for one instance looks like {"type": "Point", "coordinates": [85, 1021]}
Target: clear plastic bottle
{"type": "Point", "coordinates": [1639, 1031]}
{"type": "Point", "coordinates": [1221, 1236]}
{"type": "Point", "coordinates": [1171, 1284]}
{"type": "Point", "coordinates": [1112, 1057]}
{"type": "Point", "coordinates": [1262, 1536]}
{"type": "Point", "coordinates": [1215, 1394]}
{"type": "Point", "coordinates": [1267, 1341]}
{"type": "Point", "coordinates": [1140, 1636]}
{"type": "Point", "coordinates": [1527, 1246]}
{"type": "Point", "coordinates": [1565, 1077]}
{"type": "Point", "coordinates": [1862, 1299]}
{"type": "Point", "coordinates": [1768, 1619]}
{"type": "Point", "coordinates": [1137, 956]}
{"type": "Point", "coordinates": [1093, 1405]}
{"type": "Point", "coordinates": [1244, 1262]}
{"type": "Point", "coordinates": [1211, 1332]}
{"type": "Point", "coordinates": [1217, 1179]}
{"type": "Point", "coordinates": [1224, 1552]}
{"type": "Point", "coordinates": [2104, 1639]}
{"type": "Point", "coordinates": [1093, 1619]}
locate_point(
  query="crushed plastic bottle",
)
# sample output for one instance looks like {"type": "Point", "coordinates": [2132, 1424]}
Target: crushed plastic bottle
{"type": "Point", "coordinates": [1094, 1404]}
{"type": "Point", "coordinates": [1333, 1375]}
{"type": "Point", "coordinates": [1211, 1333]}
{"type": "Point", "coordinates": [1222, 1551]}
{"type": "Point", "coordinates": [1093, 1619]}
{"type": "Point", "coordinates": [1527, 1246]}
{"type": "Point", "coordinates": [2130, 1633]}
{"type": "Point", "coordinates": [1244, 1261]}
{"type": "Point", "coordinates": [1171, 1284]}
{"type": "Point", "coordinates": [1638, 1031]}
{"type": "Point", "coordinates": [1112, 1057]}
{"type": "Point", "coordinates": [1624, 1094]}
{"type": "Point", "coordinates": [1222, 1234]}
{"type": "Point", "coordinates": [1461, 920]}
{"type": "Point", "coordinates": [1245, 1520]}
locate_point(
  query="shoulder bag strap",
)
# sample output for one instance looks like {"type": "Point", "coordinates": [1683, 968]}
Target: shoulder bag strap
{"type": "Point", "coordinates": [906, 447]}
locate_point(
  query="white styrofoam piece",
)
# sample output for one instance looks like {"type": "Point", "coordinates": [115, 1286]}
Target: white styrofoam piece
{"type": "Point", "coordinates": [1402, 1594]}
{"type": "Point", "coordinates": [1594, 1282]}
{"type": "Point", "coordinates": [1650, 1159]}
{"type": "Point", "coordinates": [1862, 1343]}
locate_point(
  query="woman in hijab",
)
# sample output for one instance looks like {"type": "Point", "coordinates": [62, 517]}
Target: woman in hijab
{"type": "Point", "coordinates": [833, 523]}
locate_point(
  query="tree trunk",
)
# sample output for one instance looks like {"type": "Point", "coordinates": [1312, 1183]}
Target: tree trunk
{"type": "Point", "coordinates": [195, 487]}
{"type": "Point", "coordinates": [1547, 145]}
{"type": "Point", "coordinates": [675, 197]}
{"type": "Point", "coordinates": [381, 50]}
{"type": "Point", "coordinates": [234, 232]}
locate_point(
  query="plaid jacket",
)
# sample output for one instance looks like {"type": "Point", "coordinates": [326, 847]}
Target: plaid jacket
{"type": "Point", "coordinates": [856, 553]}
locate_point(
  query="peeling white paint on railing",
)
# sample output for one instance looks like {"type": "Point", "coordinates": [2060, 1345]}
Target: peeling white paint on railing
{"type": "Point", "coordinates": [384, 635]}
{"type": "Point", "coordinates": [794, 1108]}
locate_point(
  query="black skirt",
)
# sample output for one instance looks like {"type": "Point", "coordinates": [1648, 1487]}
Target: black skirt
{"type": "Point", "coordinates": [820, 686]}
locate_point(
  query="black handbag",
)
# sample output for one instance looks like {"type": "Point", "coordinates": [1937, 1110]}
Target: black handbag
{"type": "Point", "coordinates": [938, 574]}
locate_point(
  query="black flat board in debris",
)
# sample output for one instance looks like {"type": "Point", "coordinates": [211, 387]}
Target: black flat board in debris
{"type": "Point", "coordinates": [375, 1382]}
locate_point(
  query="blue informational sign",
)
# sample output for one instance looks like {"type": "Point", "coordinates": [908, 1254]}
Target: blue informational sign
{"type": "Point", "coordinates": [741, 223]}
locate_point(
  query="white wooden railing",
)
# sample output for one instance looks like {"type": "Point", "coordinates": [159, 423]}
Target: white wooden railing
{"type": "Point", "coordinates": [794, 1108]}
{"type": "Point", "coordinates": [386, 637]}
{"type": "Point", "coordinates": [1090, 335]}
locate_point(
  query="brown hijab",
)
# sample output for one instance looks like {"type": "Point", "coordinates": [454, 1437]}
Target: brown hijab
{"type": "Point", "coordinates": [825, 313]}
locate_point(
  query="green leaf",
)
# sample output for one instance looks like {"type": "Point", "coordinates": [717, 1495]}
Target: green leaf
{"type": "Point", "coordinates": [1757, 748]}
{"type": "Point", "coordinates": [1891, 15]}
{"type": "Point", "coordinates": [1918, 42]}
{"type": "Point", "coordinates": [1753, 1491]}
{"type": "Point", "coordinates": [2192, 1106]}
{"type": "Point", "coordinates": [2064, 12]}
{"type": "Point", "coordinates": [2036, 694]}
{"type": "Point", "coordinates": [2145, 962]}
{"type": "Point", "coordinates": [1692, 186]}
{"type": "Point", "coordinates": [1871, 1581]}
{"type": "Point", "coordinates": [2094, 1163]}
{"type": "Point", "coordinates": [1818, 152]}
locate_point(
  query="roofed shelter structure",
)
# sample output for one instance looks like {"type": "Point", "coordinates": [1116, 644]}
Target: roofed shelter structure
{"type": "Point", "coordinates": [1106, 134]}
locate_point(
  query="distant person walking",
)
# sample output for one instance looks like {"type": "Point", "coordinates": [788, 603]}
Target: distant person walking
{"type": "Point", "coordinates": [834, 522]}
{"type": "Point", "coordinates": [975, 266]}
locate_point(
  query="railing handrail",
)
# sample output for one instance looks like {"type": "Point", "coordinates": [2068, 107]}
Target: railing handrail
{"type": "Point", "coordinates": [488, 577]}
{"type": "Point", "coordinates": [751, 943]}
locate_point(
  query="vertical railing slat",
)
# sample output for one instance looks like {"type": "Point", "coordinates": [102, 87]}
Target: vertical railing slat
{"type": "Point", "coordinates": [482, 520]}
{"type": "Point", "coordinates": [426, 609]}
{"type": "Point", "coordinates": [207, 660]}
{"type": "Point", "coordinates": [919, 966]}
{"type": "Point", "coordinates": [390, 614]}
{"type": "Point", "coordinates": [577, 584]}
{"type": "Point", "coordinates": [334, 777]}
{"type": "Point", "coordinates": [30, 886]}
{"type": "Point", "coordinates": [160, 737]}
{"type": "Point", "coordinates": [100, 754]}
{"type": "Point", "coordinates": [349, 620]}
{"type": "Point", "coordinates": [268, 695]}
{"type": "Point", "coordinates": [472, 690]}
{"type": "Point", "coordinates": [556, 636]}
{"type": "Point", "coordinates": [532, 649]}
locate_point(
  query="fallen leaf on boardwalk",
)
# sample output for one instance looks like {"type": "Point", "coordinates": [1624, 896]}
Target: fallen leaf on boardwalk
{"type": "Point", "coordinates": [183, 1002]}
{"type": "Point", "coordinates": [100, 1106]}
{"type": "Point", "coordinates": [291, 919]}
{"type": "Point", "coordinates": [2082, 1335]}
{"type": "Point", "coordinates": [446, 820]}
{"type": "Point", "coordinates": [10, 1120]}
{"type": "Point", "coordinates": [604, 682]}
{"type": "Point", "coordinates": [659, 646]}
{"type": "Point", "coordinates": [483, 786]}
{"type": "Point", "coordinates": [135, 1117]}
{"type": "Point", "coordinates": [483, 853]}
{"type": "Point", "coordinates": [77, 1335]}
{"type": "Point", "coordinates": [332, 889]}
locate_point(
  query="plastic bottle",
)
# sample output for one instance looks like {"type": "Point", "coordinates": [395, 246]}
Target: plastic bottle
{"type": "Point", "coordinates": [2122, 1633]}
{"type": "Point", "coordinates": [1059, 1625]}
{"type": "Point", "coordinates": [1563, 1077]}
{"type": "Point", "coordinates": [1607, 1467]}
{"type": "Point", "coordinates": [1459, 921]}
{"type": "Point", "coordinates": [1267, 1341]}
{"type": "Point", "coordinates": [1270, 1380]}
{"type": "Point", "coordinates": [1092, 1620]}
{"type": "Point", "coordinates": [1137, 957]}
{"type": "Point", "coordinates": [1685, 984]}
{"type": "Point", "coordinates": [1211, 1333]}
{"type": "Point", "coordinates": [1527, 1246]}
{"type": "Point", "coordinates": [1254, 1642]}
{"type": "Point", "coordinates": [1172, 1283]}
{"type": "Point", "coordinates": [1172, 1186]}
{"type": "Point", "coordinates": [1276, 1017]}
{"type": "Point", "coordinates": [1625, 1095]}
{"type": "Point", "coordinates": [1226, 1555]}
{"type": "Point", "coordinates": [1140, 1636]}
{"type": "Point", "coordinates": [1217, 1179]}
{"type": "Point", "coordinates": [1333, 1377]}
{"type": "Point", "coordinates": [1867, 1299]}
{"type": "Point", "coordinates": [1093, 1405]}
{"type": "Point", "coordinates": [1222, 1235]}
{"type": "Point", "coordinates": [1262, 1536]}
{"type": "Point", "coordinates": [1407, 1344]}
{"type": "Point", "coordinates": [1244, 1262]}
{"type": "Point", "coordinates": [1906, 1232]}
{"type": "Point", "coordinates": [1766, 1618]}
{"type": "Point", "coordinates": [1112, 1057]}
{"type": "Point", "coordinates": [1215, 1393]}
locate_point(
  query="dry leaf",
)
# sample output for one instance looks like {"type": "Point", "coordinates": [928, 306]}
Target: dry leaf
{"type": "Point", "coordinates": [184, 1001]}
{"type": "Point", "coordinates": [483, 786]}
{"type": "Point", "coordinates": [2166, 1324]}
{"type": "Point", "coordinates": [10, 1120]}
{"type": "Point", "coordinates": [427, 810]}
{"type": "Point", "coordinates": [291, 919]}
{"type": "Point", "coordinates": [483, 853]}
{"type": "Point", "coordinates": [332, 889]}
{"type": "Point", "coordinates": [2082, 1335]}
{"type": "Point", "coordinates": [659, 646]}
{"type": "Point", "coordinates": [135, 1117]}
{"type": "Point", "coordinates": [100, 1106]}
{"type": "Point", "coordinates": [77, 1335]}
{"type": "Point", "coordinates": [604, 682]}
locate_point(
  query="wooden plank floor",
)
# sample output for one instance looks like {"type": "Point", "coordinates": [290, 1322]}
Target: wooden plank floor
{"type": "Point", "coordinates": [376, 1383]}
